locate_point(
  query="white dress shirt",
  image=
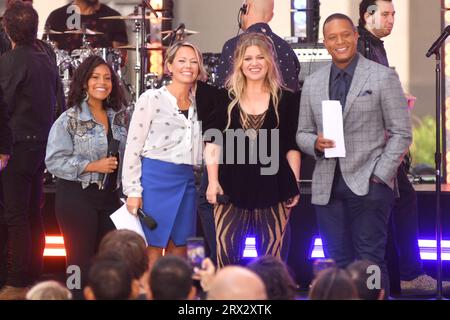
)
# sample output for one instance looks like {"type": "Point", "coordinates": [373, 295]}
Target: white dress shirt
{"type": "Point", "coordinates": [159, 131]}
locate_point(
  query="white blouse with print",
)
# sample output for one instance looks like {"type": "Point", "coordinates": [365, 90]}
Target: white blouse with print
{"type": "Point", "coordinates": [160, 132]}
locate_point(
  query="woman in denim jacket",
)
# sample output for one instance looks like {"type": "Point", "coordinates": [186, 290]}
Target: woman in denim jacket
{"type": "Point", "coordinates": [80, 153]}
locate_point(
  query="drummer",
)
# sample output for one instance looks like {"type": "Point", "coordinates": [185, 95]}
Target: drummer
{"type": "Point", "coordinates": [113, 32]}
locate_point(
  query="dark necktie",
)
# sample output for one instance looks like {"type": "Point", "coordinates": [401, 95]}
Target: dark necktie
{"type": "Point", "coordinates": [342, 87]}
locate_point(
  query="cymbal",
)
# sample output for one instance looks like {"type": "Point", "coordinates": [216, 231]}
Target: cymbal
{"type": "Point", "coordinates": [186, 32]}
{"type": "Point", "coordinates": [87, 32]}
{"type": "Point", "coordinates": [135, 17]}
{"type": "Point", "coordinates": [127, 2]}
{"type": "Point", "coordinates": [148, 46]}
{"type": "Point", "coordinates": [51, 32]}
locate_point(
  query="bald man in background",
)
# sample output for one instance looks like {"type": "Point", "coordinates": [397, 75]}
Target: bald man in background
{"type": "Point", "coordinates": [254, 16]}
{"type": "Point", "coordinates": [237, 283]}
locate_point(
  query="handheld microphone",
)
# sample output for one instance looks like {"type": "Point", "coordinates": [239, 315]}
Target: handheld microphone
{"type": "Point", "coordinates": [223, 199]}
{"type": "Point", "coordinates": [113, 150]}
{"type": "Point", "coordinates": [148, 220]}
{"type": "Point", "coordinates": [438, 43]}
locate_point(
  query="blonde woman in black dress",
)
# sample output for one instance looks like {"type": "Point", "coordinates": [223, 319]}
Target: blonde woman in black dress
{"type": "Point", "coordinates": [261, 194]}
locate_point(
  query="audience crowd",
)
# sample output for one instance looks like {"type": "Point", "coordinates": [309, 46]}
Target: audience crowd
{"type": "Point", "coordinates": [120, 271]}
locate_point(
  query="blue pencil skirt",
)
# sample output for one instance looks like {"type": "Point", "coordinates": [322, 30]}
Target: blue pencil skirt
{"type": "Point", "coordinates": [169, 196]}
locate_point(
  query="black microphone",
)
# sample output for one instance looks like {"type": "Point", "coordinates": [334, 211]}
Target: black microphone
{"type": "Point", "coordinates": [149, 6]}
{"type": "Point", "coordinates": [148, 220]}
{"type": "Point", "coordinates": [113, 151]}
{"type": "Point", "coordinates": [173, 34]}
{"type": "Point", "coordinates": [223, 199]}
{"type": "Point", "coordinates": [438, 43]}
{"type": "Point", "coordinates": [181, 26]}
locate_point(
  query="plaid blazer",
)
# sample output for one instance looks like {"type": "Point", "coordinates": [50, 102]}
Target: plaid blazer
{"type": "Point", "coordinates": [377, 128]}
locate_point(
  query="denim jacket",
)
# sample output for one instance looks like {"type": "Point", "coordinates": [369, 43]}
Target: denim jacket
{"type": "Point", "coordinates": [76, 139]}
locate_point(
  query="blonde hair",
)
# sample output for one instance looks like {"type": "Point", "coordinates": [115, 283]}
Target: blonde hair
{"type": "Point", "coordinates": [49, 290]}
{"type": "Point", "coordinates": [236, 82]}
{"type": "Point", "coordinates": [172, 51]}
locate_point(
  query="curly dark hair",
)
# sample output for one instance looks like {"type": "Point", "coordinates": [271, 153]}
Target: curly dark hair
{"type": "Point", "coordinates": [21, 23]}
{"type": "Point", "coordinates": [81, 77]}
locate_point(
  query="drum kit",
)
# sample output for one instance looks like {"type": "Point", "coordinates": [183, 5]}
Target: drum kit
{"type": "Point", "coordinates": [68, 62]}
{"type": "Point", "coordinates": [211, 63]}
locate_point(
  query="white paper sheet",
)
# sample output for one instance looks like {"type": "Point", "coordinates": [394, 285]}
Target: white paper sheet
{"type": "Point", "coordinates": [333, 128]}
{"type": "Point", "coordinates": [122, 219]}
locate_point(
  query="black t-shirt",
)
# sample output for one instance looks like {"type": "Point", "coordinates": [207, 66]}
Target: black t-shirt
{"type": "Point", "coordinates": [114, 30]}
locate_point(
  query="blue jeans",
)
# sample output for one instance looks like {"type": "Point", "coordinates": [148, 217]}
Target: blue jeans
{"type": "Point", "coordinates": [355, 227]}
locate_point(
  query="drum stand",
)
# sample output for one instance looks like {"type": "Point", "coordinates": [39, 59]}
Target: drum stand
{"type": "Point", "coordinates": [141, 50]}
{"type": "Point", "coordinates": [137, 67]}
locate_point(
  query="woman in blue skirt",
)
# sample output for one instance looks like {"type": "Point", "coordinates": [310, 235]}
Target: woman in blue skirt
{"type": "Point", "coordinates": [164, 142]}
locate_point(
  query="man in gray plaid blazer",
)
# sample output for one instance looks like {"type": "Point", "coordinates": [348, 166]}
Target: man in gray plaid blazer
{"type": "Point", "coordinates": [353, 195]}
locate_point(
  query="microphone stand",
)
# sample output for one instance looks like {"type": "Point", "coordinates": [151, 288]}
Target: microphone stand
{"type": "Point", "coordinates": [436, 50]}
{"type": "Point", "coordinates": [143, 48]}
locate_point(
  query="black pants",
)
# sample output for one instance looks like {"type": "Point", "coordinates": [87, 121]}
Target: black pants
{"type": "Point", "coordinates": [404, 230]}
{"type": "Point", "coordinates": [21, 228]}
{"type": "Point", "coordinates": [83, 218]}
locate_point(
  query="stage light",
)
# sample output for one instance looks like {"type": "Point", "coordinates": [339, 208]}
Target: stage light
{"type": "Point", "coordinates": [447, 4]}
{"type": "Point", "coordinates": [250, 248]}
{"type": "Point", "coordinates": [157, 4]}
{"type": "Point", "coordinates": [447, 16]}
{"type": "Point", "coordinates": [447, 57]}
{"type": "Point", "coordinates": [156, 56]}
{"type": "Point", "coordinates": [299, 4]}
{"type": "Point", "coordinates": [54, 252]}
{"type": "Point", "coordinates": [427, 249]}
{"type": "Point", "coordinates": [54, 240]}
{"type": "Point", "coordinates": [54, 246]}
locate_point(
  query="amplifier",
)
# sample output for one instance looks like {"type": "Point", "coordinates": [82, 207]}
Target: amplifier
{"type": "Point", "coordinates": [312, 54]}
{"type": "Point", "coordinates": [311, 57]}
